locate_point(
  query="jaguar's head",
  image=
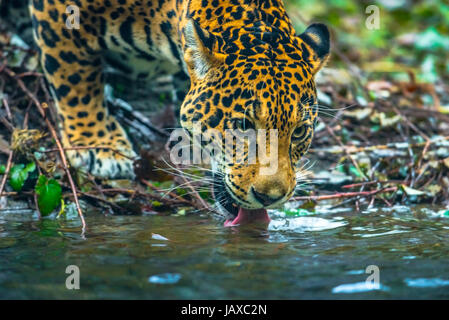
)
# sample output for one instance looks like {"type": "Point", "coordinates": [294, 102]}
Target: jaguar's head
{"type": "Point", "coordinates": [256, 84]}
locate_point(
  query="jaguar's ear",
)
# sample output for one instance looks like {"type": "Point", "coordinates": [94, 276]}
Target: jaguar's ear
{"type": "Point", "coordinates": [317, 38]}
{"type": "Point", "coordinates": [200, 49]}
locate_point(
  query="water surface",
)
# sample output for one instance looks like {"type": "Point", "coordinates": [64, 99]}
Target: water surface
{"type": "Point", "coordinates": [324, 255]}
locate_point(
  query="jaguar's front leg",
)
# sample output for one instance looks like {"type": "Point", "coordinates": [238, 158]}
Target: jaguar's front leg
{"type": "Point", "coordinates": [75, 74]}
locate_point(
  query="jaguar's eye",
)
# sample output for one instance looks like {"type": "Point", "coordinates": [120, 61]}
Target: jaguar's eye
{"type": "Point", "coordinates": [243, 124]}
{"type": "Point", "coordinates": [301, 133]}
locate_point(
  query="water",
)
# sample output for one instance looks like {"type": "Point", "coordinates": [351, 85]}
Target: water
{"type": "Point", "coordinates": [324, 255]}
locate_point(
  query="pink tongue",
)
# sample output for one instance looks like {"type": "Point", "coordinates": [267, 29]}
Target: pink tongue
{"type": "Point", "coordinates": [246, 216]}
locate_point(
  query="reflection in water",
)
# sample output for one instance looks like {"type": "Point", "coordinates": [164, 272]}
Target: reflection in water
{"type": "Point", "coordinates": [427, 283]}
{"type": "Point", "coordinates": [358, 287]}
{"type": "Point", "coordinates": [301, 224]}
{"type": "Point", "coordinates": [165, 278]}
{"type": "Point", "coordinates": [192, 257]}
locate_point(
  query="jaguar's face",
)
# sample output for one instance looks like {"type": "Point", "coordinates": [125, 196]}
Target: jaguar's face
{"type": "Point", "coordinates": [259, 110]}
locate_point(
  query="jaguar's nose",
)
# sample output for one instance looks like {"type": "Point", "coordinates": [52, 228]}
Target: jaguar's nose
{"type": "Point", "coordinates": [265, 199]}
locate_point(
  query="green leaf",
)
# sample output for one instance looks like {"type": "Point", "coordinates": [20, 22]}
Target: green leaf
{"type": "Point", "coordinates": [356, 172]}
{"type": "Point", "coordinates": [49, 194]}
{"type": "Point", "coordinates": [2, 169]}
{"type": "Point", "coordinates": [30, 167]}
{"type": "Point", "coordinates": [298, 212]}
{"type": "Point", "coordinates": [411, 192]}
{"type": "Point", "coordinates": [181, 191]}
{"type": "Point", "coordinates": [181, 212]}
{"type": "Point", "coordinates": [62, 210]}
{"type": "Point", "coordinates": [204, 194]}
{"type": "Point", "coordinates": [156, 204]}
{"type": "Point", "coordinates": [19, 175]}
{"type": "Point", "coordinates": [156, 183]}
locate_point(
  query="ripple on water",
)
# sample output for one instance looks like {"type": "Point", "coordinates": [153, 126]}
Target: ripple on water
{"type": "Point", "coordinates": [165, 278]}
{"type": "Point", "coordinates": [357, 287]}
{"type": "Point", "coordinates": [302, 224]}
{"type": "Point", "coordinates": [426, 282]}
{"type": "Point", "coordinates": [386, 233]}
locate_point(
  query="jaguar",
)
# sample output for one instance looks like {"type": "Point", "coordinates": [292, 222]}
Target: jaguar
{"type": "Point", "coordinates": [246, 68]}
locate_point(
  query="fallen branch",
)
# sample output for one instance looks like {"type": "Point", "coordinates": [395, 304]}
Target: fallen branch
{"type": "Point", "coordinates": [5, 175]}
{"type": "Point", "coordinates": [356, 185]}
{"type": "Point", "coordinates": [344, 195]}
{"type": "Point", "coordinates": [393, 145]}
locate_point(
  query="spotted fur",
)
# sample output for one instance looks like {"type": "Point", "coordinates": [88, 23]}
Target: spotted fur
{"type": "Point", "coordinates": [243, 58]}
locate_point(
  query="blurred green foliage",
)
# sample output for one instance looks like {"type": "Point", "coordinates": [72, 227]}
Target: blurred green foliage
{"type": "Point", "coordinates": [19, 174]}
{"type": "Point", "coordinates": [412, 36]}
